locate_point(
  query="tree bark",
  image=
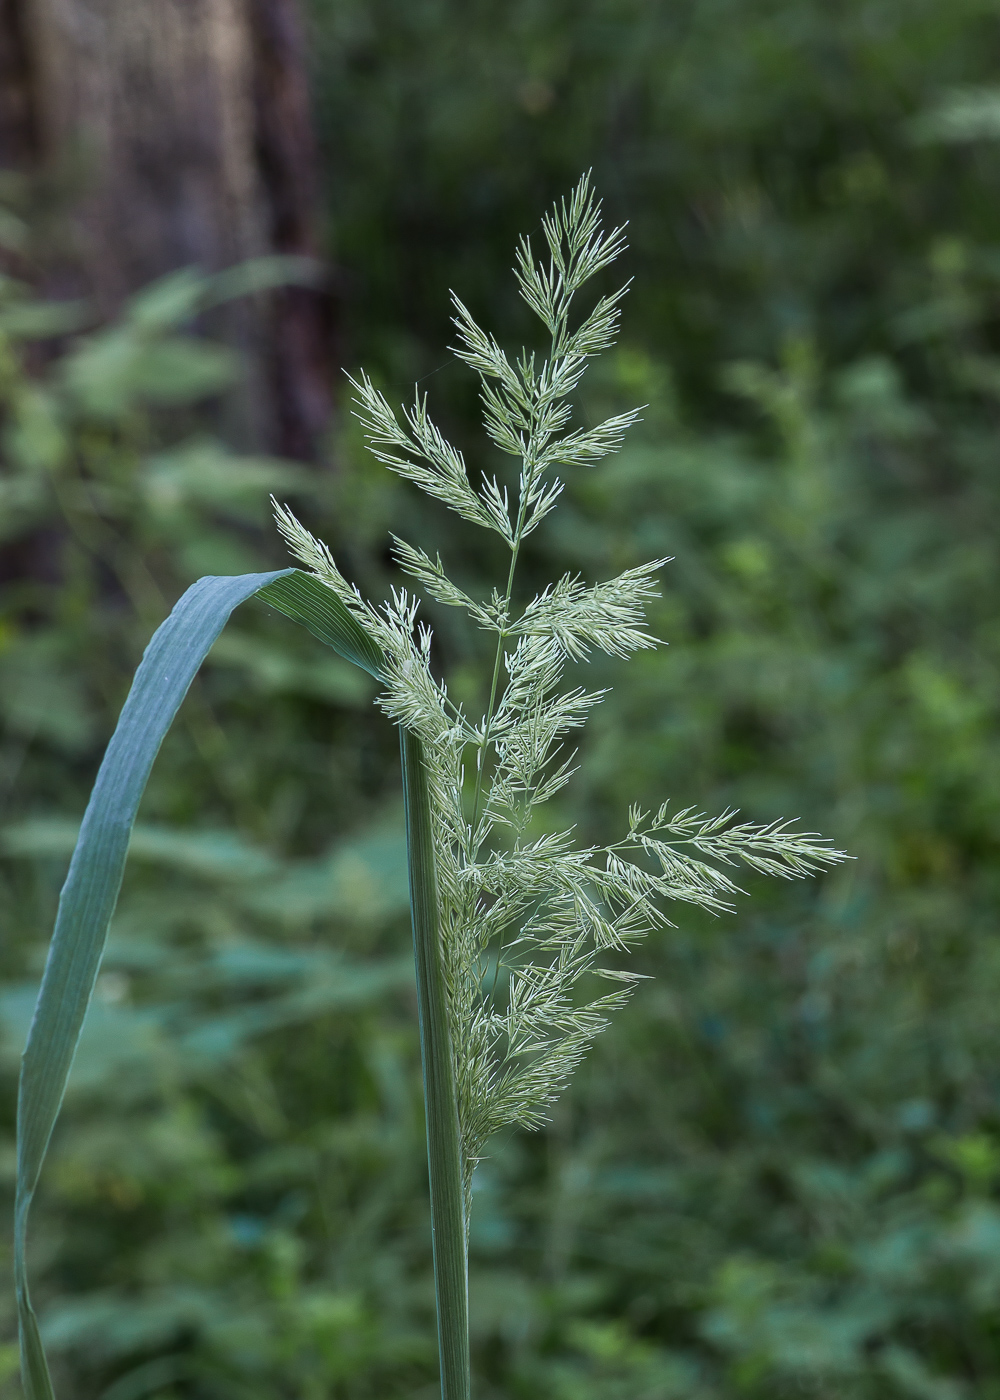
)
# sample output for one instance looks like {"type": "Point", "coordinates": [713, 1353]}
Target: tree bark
{"type": "Point", "coordinates": [185, 123]}
{"type": "Point", "coordinates": [288, 161]}
{"type": "Point", "coordinates": [18, 125]}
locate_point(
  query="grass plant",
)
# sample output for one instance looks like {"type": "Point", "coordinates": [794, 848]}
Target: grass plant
{"type": "Point", "coordinates": [515, 924]}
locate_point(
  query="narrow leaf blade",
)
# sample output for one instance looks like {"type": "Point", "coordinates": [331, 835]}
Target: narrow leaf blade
{"type": "Point", "coordinates": [90, 893]}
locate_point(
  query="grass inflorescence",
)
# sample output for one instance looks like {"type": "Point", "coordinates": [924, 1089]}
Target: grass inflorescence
{"type": "Point", "coordinates": [526, 922]}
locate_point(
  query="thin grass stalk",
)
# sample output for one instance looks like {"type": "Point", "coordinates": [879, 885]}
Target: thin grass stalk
{"type": "Point", "coordinates": [444, 1150]}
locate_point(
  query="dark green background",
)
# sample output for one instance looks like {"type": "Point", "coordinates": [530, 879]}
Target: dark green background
{"type": "Point", "coordinates": [777, 1176]}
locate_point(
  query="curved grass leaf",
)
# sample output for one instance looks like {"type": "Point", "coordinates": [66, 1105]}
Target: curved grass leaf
{"type": "Point", "coordinates": [90, 893]}
{"type": "Point", "coordinates": [304, 599]}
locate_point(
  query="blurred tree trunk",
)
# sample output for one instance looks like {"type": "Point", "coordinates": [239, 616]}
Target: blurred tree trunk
{"type": "Point", "coordinates": [185, 126]}
{"type": "Point", "coordinates": [18, 127]}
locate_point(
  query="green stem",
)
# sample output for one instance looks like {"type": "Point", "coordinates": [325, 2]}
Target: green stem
{"type": "Point", "coordinates": [444, 1147]}
{"type": "Point", "coordinates": [484, 747]}
{"type": "Point", "coordinates": [522, 506]}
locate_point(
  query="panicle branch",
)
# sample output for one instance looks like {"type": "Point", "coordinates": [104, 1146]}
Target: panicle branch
{"type": "Point", "coordinates": [430, 461]}
{"type": "Point", "coordinates": [607, 616]}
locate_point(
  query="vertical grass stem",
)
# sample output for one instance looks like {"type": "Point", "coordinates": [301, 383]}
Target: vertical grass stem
{"type": "Point", "coordinates": [444, 1151]}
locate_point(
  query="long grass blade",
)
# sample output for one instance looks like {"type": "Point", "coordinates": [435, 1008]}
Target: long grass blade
{"type": "Point", "coordinates": [90, 893]}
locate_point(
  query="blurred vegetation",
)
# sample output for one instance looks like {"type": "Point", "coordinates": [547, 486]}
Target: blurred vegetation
{"type": "Point", "coordinates": [779, 1174]}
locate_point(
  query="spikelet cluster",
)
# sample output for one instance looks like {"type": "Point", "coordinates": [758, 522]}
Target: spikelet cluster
{"type": "Point", "coordinates": [527, 921]}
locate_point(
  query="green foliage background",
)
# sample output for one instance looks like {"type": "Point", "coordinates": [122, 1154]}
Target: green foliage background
{"type": "Point", "coordinates": [778, 1175]}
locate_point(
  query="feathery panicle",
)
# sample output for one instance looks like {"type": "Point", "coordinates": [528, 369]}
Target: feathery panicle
{"type": "Point", "coordinates": [526, 920]}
